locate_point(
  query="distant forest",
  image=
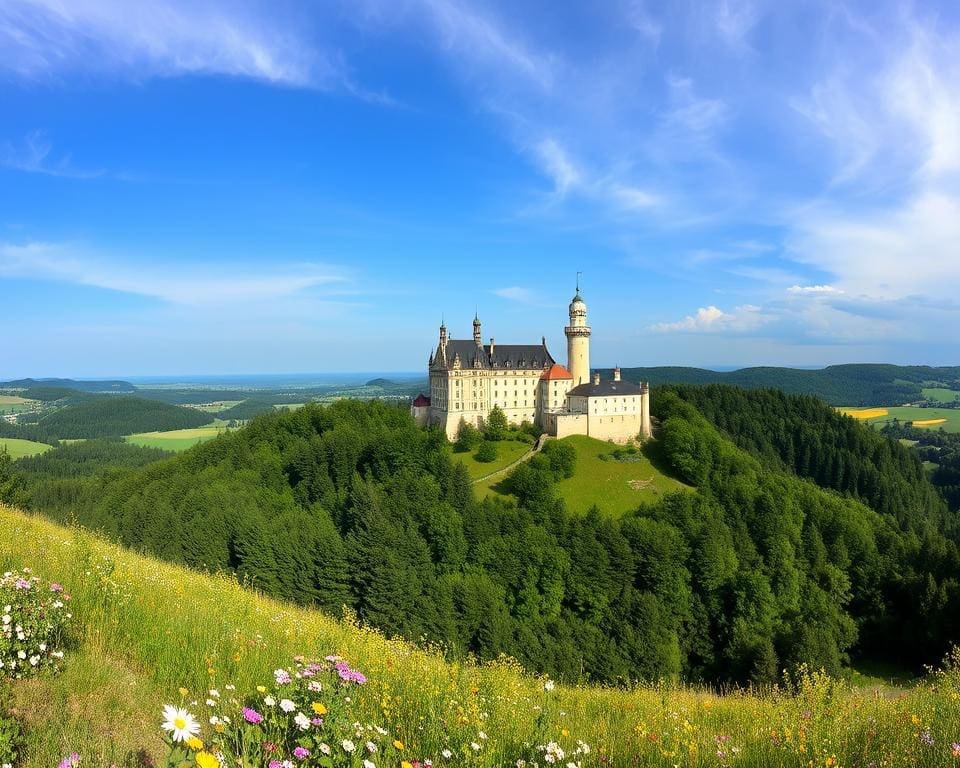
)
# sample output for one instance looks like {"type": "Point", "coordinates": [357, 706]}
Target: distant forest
{"type": "Point", "coordinates": [773, 557]}
{"type": "Point", "coordinates": [852, 385]}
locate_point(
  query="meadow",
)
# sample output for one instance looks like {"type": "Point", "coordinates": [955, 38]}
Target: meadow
{"type": "Point", "coordinates": [14, 404]}
{"type": "Point", "coordinates": [614, 486]}
{"type": "Point", "coordinates": [940, 394]}
{"type": "Point", "coordinates": [921, 417]}
{"type": "Point", "coordinates": [176, 439]}
{"type": "Point", "coordinates": [18, 448]}
{"type": "Point", "coordinates": [508, 451]}
{"type": "Point", "coordinates": [143, 630]}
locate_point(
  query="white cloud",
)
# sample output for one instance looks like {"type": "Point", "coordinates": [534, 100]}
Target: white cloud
{"type": "Point", "coordinates": [194, 285]}
{"type": "Point", "coordinates": [735, 21]}
{"type": "Point", "coordinates": [159, 38]}
{"type": "Point", "coordinates": [35, 155]}
{"type": "Point", "coordinates": [714, 320]}
{"type": "Point", "coordinates": [819, 289]}
{"type": "Point", "coordinates": [516, 293]}
{"type": "Point", "coordinates": [557, 165]}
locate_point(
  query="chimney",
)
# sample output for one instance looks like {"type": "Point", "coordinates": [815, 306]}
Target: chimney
{"type": "Point", "coordinates": [491, 345]}
{"type": "Point", "coordinates": [616, 373]}
{"type": "Point", "coordinates": [596, 378]}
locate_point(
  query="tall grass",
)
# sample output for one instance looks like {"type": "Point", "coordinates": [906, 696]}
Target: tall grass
{"type": "Point", "coordinates": [145, 628]}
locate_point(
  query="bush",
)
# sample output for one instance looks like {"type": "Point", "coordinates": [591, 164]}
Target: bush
{"type": "Point", "coordinates": [468, 438]}
{"type": "Point", "coordinates": [487, 452]}
{"type": "Point", "coordinates": [32, 625]}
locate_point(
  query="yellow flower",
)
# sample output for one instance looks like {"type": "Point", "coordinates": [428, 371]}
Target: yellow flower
{"type": "Point", "coordinates": [564, 732]}
{"type": "Point", "coordinates": [405, 764]}
{"type": "Point", "coordinates": [183, 691]}
{"type": "Point", "coordinates": [831, 761]}
{"type": "Point", "coordinates": [397, 744]}
{"type": "Point", "coordinates": [194, 743]}
{"type": "Point", "coordinates": [261, 689]}
{"type": "Point", "coordinates": [319, 708]}
{"type": "Point", "coordinates": [206, 760]}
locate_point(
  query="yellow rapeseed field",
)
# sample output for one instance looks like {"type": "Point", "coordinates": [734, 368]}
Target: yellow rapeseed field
{"type": "Point", "coordinates": [865, 413]}
{"type": "Point", "coordinates": [928, 422]}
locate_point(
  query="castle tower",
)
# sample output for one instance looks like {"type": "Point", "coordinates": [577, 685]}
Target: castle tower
{"type": "Point", "coordinates": [578, 341]}
{"type": "Point", "coordinates": [477, 338]}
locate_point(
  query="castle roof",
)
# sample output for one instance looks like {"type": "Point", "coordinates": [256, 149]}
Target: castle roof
{"type": "Point", "coordinates": [507, 356]}
{"type": "Point", "coordinates": [556, 371]}
{"type": "Point", "coordinates": [421, 401]}
{"type": "Point", "coordinates": [606, 389]}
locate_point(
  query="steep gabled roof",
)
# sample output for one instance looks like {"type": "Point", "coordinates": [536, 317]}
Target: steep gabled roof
{"type": "Point", "coordinates": [606, 388]}
{"type": "Point", "coordinates": [504, 356]}
{"type": "Point", "coordinates": [421, 401]}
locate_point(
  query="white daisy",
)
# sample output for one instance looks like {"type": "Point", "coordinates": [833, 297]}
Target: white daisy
{"type": "Point", "coordinates": [180, 723]}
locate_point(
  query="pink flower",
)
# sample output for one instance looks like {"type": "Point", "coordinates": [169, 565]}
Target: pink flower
{"type": "Point", "coordinates": [56, 587]}
{"type": "Point", "coordinates": [301, 754]}
{"type": "Point", "coordinates": [252, 716]}
{"type": "Point", "coordinates": [70, 761]}
{"type": "Point", "coordinates": [22, 583]}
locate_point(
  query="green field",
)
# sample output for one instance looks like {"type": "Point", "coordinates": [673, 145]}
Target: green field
{"type": "Point", "coordinates": [18, 448]}
{"type": "Point", "coordinates": [14, 404]}
{"type": "Point", "coordinates": [177, 439]}
{"type": "Point", "coordinates": [940, 395]}
{"type": "Point", "coordinates": [224, 404]}
{"type": "Point", "coordinates": [615, 487]}
{"type": "Point", "coordinates": [904, 413]}
{"type": "Point", "coordinates": [508, 451]}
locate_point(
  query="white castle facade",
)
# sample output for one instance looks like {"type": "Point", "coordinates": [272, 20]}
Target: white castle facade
{"type": "Point", "coordinates": [468, 378]}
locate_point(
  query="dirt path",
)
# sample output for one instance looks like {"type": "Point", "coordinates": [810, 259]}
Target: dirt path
{"type": "Point", "coordinates": [537, 447]}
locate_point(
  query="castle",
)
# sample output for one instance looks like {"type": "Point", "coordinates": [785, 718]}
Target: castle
{"type": "Point", "coordinates": [469, 378]}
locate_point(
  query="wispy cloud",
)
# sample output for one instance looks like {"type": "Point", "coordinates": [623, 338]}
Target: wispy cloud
{"type": "Point", "coordinates": [35, 155]}
{"type": "Point", "coordinates": [516, 293]}
{"type": "Point", "coordinates": [163, 38]}
{"type": "Point", "coordinates": [194, 285]}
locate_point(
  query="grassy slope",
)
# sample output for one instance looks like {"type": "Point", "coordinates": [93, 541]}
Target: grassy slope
{"type": "Point", "coordinates": [18, 448]}
{"type": "Point", "coordinates": [940, 395]}
{"type": "Point", "coordinates": [605, 483]}
{"type": "Point", "coordinates": [14, 404]}
{"type": "Point", "coordinates": [508, 451]}
{"type": "Point", "coordinates": [176, 439]}
{"type": "Point", "coordinates": [144, 628]}
{"type": "Point", "coordinates": [910, 413]}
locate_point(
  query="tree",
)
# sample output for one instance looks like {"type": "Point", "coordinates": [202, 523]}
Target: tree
{"type": "Point", "coordinates": [468, 437]}
{"type": "Point", "coordinates": [496, 428]}
{"type": "Point", "coordinates": [487, 452]}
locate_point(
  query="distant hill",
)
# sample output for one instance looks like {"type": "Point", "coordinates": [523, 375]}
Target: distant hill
{"type": "Point", "coordinates": [119, 415]}
{"type": "Point", "coordinates": [80, 386]}
{"type": "Point", "coordinates": [854, 385]}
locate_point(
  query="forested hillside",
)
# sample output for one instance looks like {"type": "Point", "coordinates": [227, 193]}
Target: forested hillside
{"type": "Point", "coordinates": [851, 385]}
{"type": "Point", "coordinates": [350, 504]}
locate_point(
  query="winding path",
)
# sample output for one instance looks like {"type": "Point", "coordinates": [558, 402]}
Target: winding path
{"type": "Point", "coordinates": [537, 447]}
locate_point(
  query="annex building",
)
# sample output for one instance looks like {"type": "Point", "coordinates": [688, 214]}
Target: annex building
{"type": "Point", "coordinates": [468, 378]}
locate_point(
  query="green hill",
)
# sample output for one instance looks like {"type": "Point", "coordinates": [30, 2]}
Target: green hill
{"type": "Point", "coordinates": [116, 415]}
{"type": "Point", "coordinates": [143, 629]}
{"type": "Point", "coordinates": [840, 385]}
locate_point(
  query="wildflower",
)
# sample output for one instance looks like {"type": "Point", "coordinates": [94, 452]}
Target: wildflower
{"type": "Point", "coordinates": [206, 760]}
{"type": "Point", "coordinates": [564, 732]}
{"type": "Point", "coordinates": [324, 748]}
{"type": "Point", "coordinates": [926, 738]}
{"type": "Point", "coordinates": [314, 686]}
{"type": "Point", "coordinates": [405, 764]}
{"type": "Point", "coordinates": [269, 701]}
{"type": "Point", "coordinates": [282, 676]}
{"type": "Point", "coordinates": [252, 716]}
{"type": "Point", "coordinates": [182, 691]}
{"type": "Point", "coordinates": [301, 753]}
{"type": "Point", "coordinates": [54, 587]}
{"type": "Point", "coordinates": [261, 689]}
{"type": "Point", "coordinates": [474, 746]}
{"type": "Point", "coordinates": [398, 745]}
{"type": "Point", "coordinates": [549, 686]}
{"type": "Point", "coordinates": [348, 746]}
{"type": "Point", "coordinates": [369, 764]}
{"type": "Point", "coordinates": [302, 721]}
{"type": "Point", "coordinates": [446, 754]}
{"type": "Point", "coordinates": [70, 761]}
{"type": "Point", "coordinates": [194, 743]}
{"type": "Point", "coordinates": [482, 735]}
{"type": "Point", "coordinates": [287, 706]}
{"type": "Point", "coordinates": [371, 747]}
{"type": "Point", "coordinates": [318, 708]}
{"type": "Point", "coordinates": [180, 723]}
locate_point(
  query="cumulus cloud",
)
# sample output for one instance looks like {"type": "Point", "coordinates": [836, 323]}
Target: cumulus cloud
{"type": "Point", "coordinates": [714, 320]}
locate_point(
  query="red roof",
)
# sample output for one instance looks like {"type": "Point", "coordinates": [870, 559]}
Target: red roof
{"type": "Point", "coordinates": [421, 401]}
{"type": "Point", "coordinates": [556, 371]}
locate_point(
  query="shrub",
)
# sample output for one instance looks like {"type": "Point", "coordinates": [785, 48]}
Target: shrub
{"type": "Point", "coordinates": [33, 624]}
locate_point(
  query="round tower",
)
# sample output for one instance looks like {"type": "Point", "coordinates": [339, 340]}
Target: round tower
{"type": "Point", "coordinates": [578, 341]}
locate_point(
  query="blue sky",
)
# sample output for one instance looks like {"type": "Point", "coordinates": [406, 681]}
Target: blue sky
{"type": "Point", "coordinates": [204, 187]}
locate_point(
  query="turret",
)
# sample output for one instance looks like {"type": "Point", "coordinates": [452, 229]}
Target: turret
{"type": "Point", "coordinates": [578, 341]}
{"type": "Point", "coordinates": [616, 373]}
{"type": "Point", "coordinates": [477, 338]}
